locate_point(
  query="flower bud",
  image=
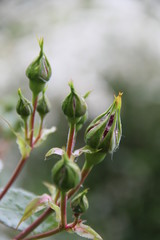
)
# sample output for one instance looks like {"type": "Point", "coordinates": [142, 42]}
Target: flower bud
{"type": "Point", "coordinates": [74, 106]}
{"type": "Point", "coordinates": [105, 131]}
{"type": "Point", "coordinates": [24, 107]}
{"type": "Point", "coordinates": [66, 174]}
{"type": "Point", "coordinates": [43, 106]}
{"type": "Point", "coordinates": [39, 71]}
{"type": "Point", "coordinates": [79, 203]}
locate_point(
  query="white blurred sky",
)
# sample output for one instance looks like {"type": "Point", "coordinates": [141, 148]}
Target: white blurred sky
{"type": "Point", "coordinates": [84, 40]}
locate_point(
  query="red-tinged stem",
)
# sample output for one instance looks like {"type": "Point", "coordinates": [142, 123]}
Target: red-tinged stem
{"type": "Point", "coordinates": [35, 100]}
{"type": "Point", "coordinates": [14, 176]}
{"type": "Point", "coordinates": [85, 171]}
{"type": "Point", "coordinates": [46, 234]}
{"type": "Point", "coordinates": [71, 140]}
{"type": "Point", "coordinates": [63, 209]}
{"type": "Point", "coordinates": [72, 225]}
{"type": "Point", "coordinates": [39, 132]}
{"type": "Point", "coordinates": [36, 223]}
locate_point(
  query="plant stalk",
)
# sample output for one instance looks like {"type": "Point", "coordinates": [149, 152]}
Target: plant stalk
{"type": "Point", "coordinates": [14, 176]}
{"type": "Point", "coordinates": [35, 100]}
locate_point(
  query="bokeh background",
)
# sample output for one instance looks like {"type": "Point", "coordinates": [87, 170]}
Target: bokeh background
{"type": "Point", "coordinates": [105, 46]}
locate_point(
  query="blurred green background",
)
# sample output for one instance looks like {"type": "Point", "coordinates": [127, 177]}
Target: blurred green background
{"type": "Point", "coordinates": [105, 46]}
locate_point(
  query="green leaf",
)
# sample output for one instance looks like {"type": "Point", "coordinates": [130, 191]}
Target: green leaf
{"type": "Point", "coordinates": [51, 188]}
{"type": "Point", "coordinates": [24, 148]}
{"type": "Point", "coordinates": [12, 208]}
{"type": "Point", "coordinates": [56, 209]}
{"type": "Point", "coordinates": [86, 232]}
{"type": "Point", "coordinates": [54, 151]}
{"type": "Point", "coordinates": [35, 205]}
{"type": "Point", "coordinates": [44, 135]}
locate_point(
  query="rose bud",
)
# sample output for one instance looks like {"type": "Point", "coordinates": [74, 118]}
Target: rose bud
{"type": "Point", "coordinates": [74, 106]}
{"type": "Point", "coordinates": [104, 133]}
{"type": "Point", "coordinates": [24, 107]}
{"type": "Point", "coordinates": [66, 174]}
{"type": "Point", "coordinates": [39, 71]}
{"type": "Point", "coordinates": [79, 203]}
{"type": "Point", "coordinates": [43, 106]}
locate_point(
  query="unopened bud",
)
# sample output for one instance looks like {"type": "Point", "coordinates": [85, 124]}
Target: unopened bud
{"type": "Point", "coordinates": [74, 106]}
{"type": "Point", "coordinates": [79, 203]}
{"type": "Point", "coordinates": [105, 131]}
{"type": "Point", "coordinates": [43, 106]}
{"type": "Point", "coordinates": [66, 174]}
{"type": "Point", "coordinates": [24, 107]}
{"type": "Point", "coordinates": [39, 71]}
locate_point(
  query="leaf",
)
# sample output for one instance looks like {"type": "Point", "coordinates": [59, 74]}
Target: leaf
{"type": "Point", "coordinates": [12, 208]}
{"type": "Point", "coordinates": [56, 209]}
{"type": "Point", "coordinates": [35, 205]}
{"type": "Point", "coordinates": [24, 148]}
{"type": "Point", "coordinates": [51, 188]}
{"type": "Point", "coordinates": [44, 135]}
{"type": "Point", "coordinates": [54, 151]}
{"type": "Point", "coordinates": [85, 149]}
{"type": "Point", "coordinates": [86, 232]}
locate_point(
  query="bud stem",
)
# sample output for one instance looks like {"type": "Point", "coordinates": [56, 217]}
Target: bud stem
{"type": "Point", "coordinates": [39, 132]}
{"type": "Point", "coordinates": [35, 99]}
{"type": "Point", "coordinates": [63, 209]}
{"type": "Point", "coordinates": [84, 173]}
{"type": "Point", "coordinates": [71, 139]}
{"type": "Point", "coordinates": [14, 176]}
{"type": "Point", "coordinates": [26, 129]}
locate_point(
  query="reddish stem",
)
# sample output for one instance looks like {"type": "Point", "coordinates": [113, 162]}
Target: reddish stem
{"type": "Point", "coordinates": [39, 132]}
{"type": "Point", "coordinates": [85, 171]}
{"type": "Point", "coordinates": [36, 223]}
{"type": "Point", "coordinates": [35, 100]}
{"type": "Point", "coordinates": [14, 176]}
{"type": "Point", "coordinates": [46, 234]}
{"type": "Point", "coordinates": [71, 140]}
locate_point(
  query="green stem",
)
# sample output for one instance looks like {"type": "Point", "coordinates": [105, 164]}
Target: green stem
{"type": "Point", "coordinates": [14, 176]}
{"type": "Point", "coordinates": [34, 101]}
{"type": "Point", "coordinates": [26, 128]}
{"type": "Point", "coordinates": [63, 209]}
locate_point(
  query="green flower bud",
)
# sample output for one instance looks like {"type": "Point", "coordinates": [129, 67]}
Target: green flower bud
{"type": "Point", "coordinates": [66, 174]}
{"type": "Point", "coordinates": [24, 107]}
{"type": "Point", "coordinates": [105, 131]}
{"type": "Point", "coordinates": [74, 106]}
{"type": "Point", "coordinates": [39, 71]}
{"type": "Point", "coordinates": [79, 203]}
{"type": "Point", "coordinates": [43, 106]}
